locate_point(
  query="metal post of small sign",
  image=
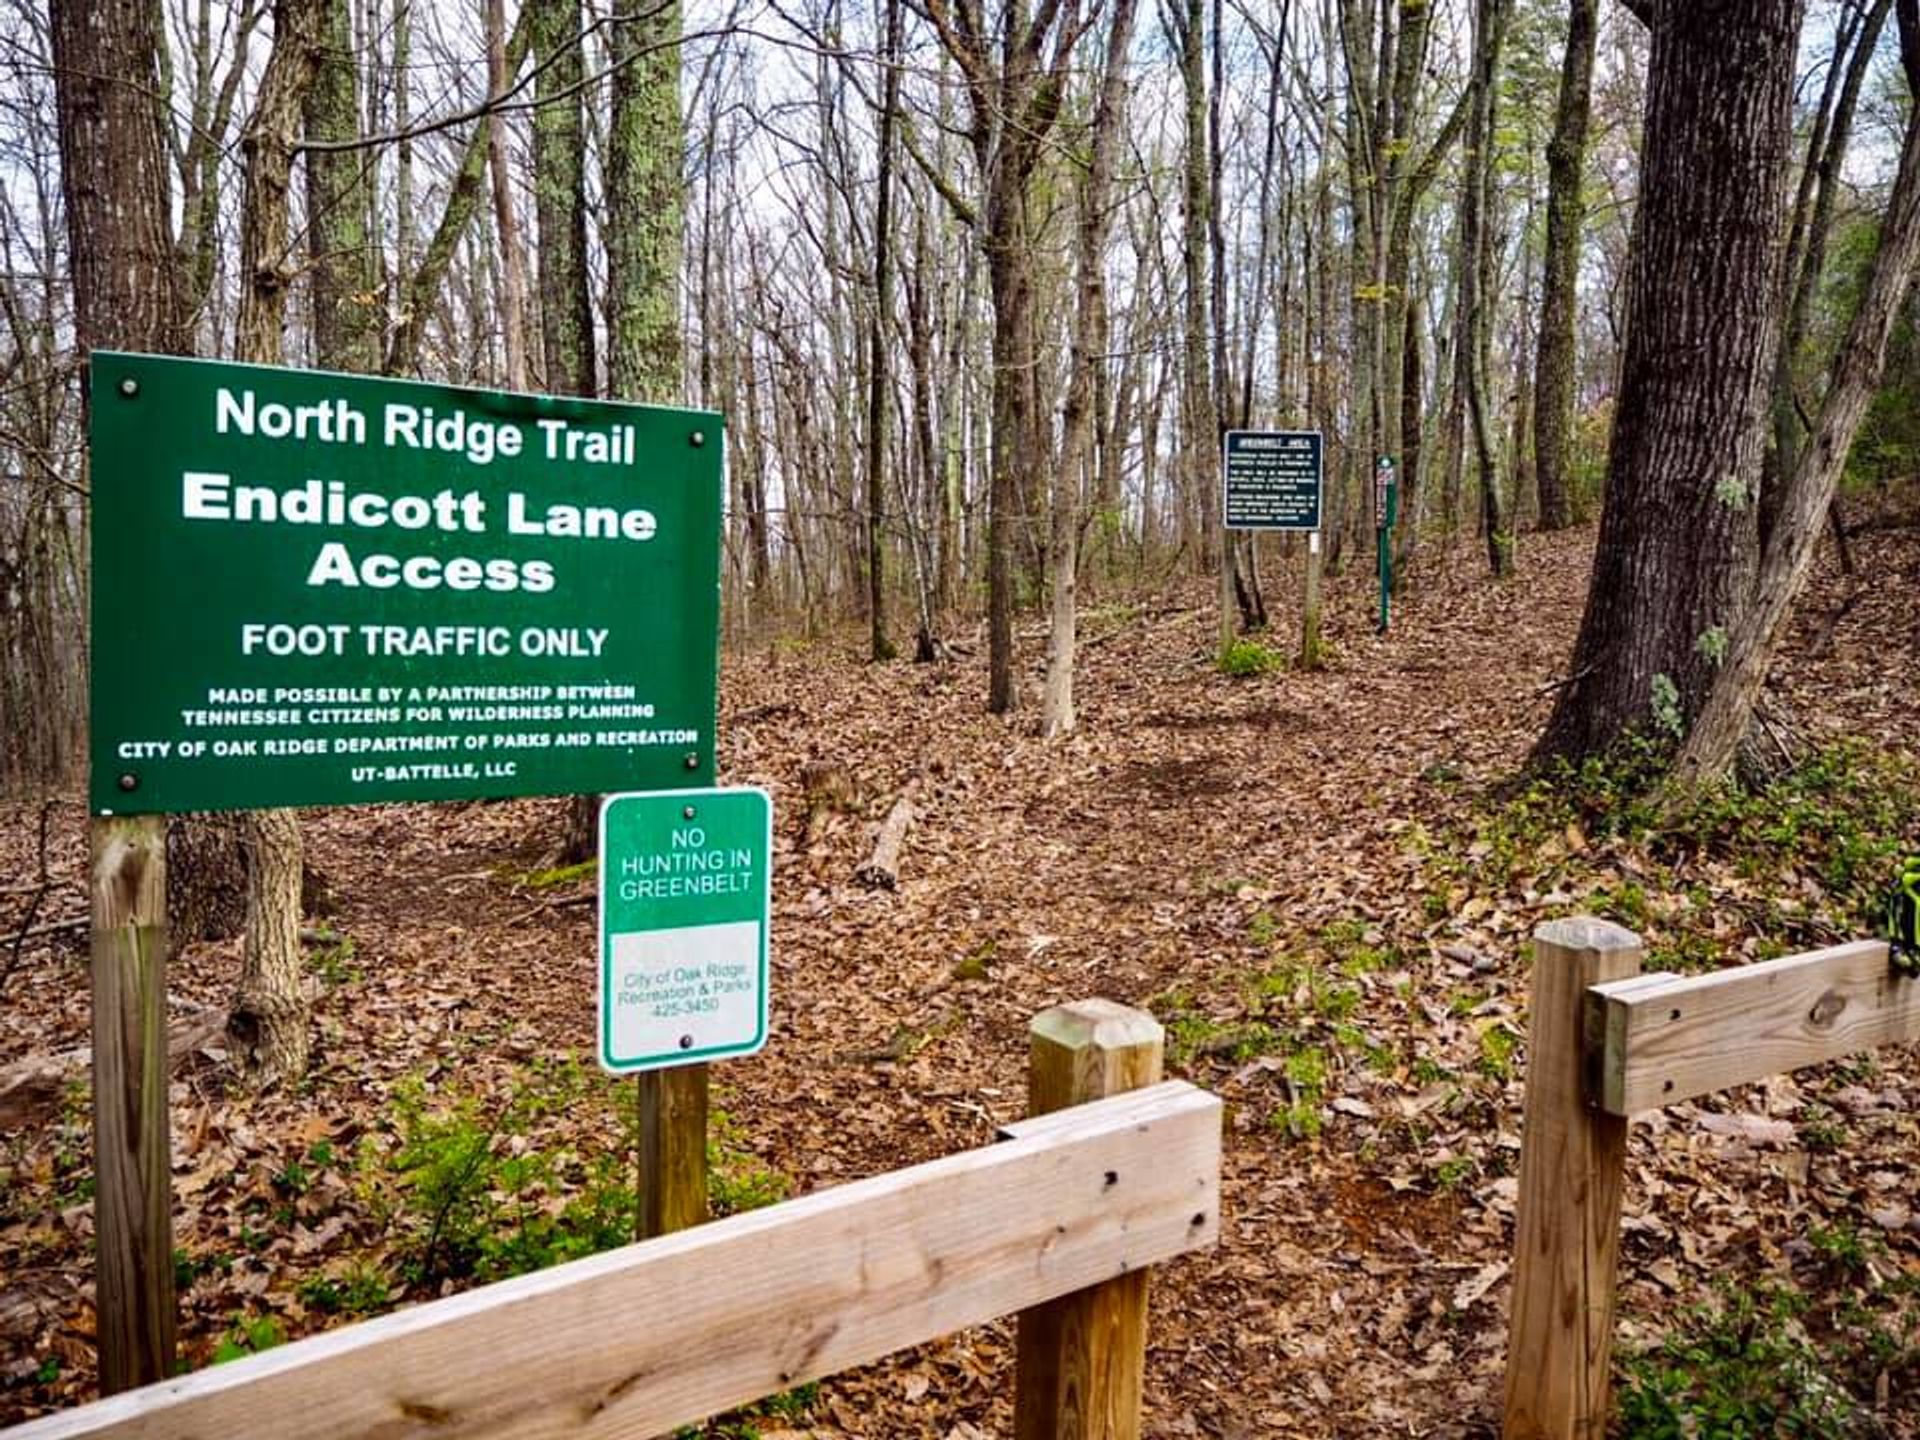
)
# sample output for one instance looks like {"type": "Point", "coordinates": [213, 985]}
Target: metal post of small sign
{"type": "Point", "coordinates": [1386, 497]}
{"type": "Point", "coordinates": [1272, 480]}
{"type": "Point", "coordinates": [684, 906]}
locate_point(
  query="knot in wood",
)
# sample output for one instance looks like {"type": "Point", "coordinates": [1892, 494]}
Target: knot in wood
{"type": "Point", "coordinates": [1826, 1010]}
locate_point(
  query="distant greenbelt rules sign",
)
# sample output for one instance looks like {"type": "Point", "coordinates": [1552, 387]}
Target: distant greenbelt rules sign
{"type": "Point", "coordinates": [1272, 479]}
{"type": "Point", "coordinates": [317, 589]}
{"type": "Point", "coordinates": [684, 896]}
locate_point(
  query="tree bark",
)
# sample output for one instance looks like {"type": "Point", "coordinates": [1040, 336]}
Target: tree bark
{"type": "Point", "coordinates": [879, 647]}
{"type": "Point", "coordinates": [1678, 535]}
{"type": "Point", "coordinates": [343, 264]}
{"type": "Point", "coordinates": [1057, 715]}
{"type": "Point", "coordinates": [268, 1020]}
{"type": "Point", "coordinates": [1557, 358]}
{"type": "Point", "coordinates": [560, 198]}
{"type": "Point", "coordinates": [1476, 268]}
{"type": "Point", "coordinates": [513, 288]}
{"type": "Point", "coordinates": [645, 202]}
{"type": "Point", "coordinates": [1713, 743]}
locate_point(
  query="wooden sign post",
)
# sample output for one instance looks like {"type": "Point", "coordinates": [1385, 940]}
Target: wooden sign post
{"type": "Point", "coordinates": [132, 1159]}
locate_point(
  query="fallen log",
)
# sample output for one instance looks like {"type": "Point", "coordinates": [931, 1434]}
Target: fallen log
{"type": "Point", "coordinates": [882, 870]}
{"type": "Point", "coordinates": [31, 1089]}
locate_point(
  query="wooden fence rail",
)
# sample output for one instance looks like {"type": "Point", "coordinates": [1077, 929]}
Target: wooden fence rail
{"type": "Point", "coordinates": [1608, 1042]}
{"type": "Point", "coordinates": [637, 1341]}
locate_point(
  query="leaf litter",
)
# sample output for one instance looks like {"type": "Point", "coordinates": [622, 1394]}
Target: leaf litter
{"type": "Point", "coordinates": [1251, 859]}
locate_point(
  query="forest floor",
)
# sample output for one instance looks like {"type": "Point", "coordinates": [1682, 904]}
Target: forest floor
{"type": "Point", "coordinates": [1323, 883]}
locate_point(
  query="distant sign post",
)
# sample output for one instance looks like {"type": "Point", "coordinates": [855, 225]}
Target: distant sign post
{"type": "Point", "coordinates": [385, 590]}
{"type": "Point", "coordinates": [1273, 479]}
{"type": "Point", "coordinates": [684, 903]}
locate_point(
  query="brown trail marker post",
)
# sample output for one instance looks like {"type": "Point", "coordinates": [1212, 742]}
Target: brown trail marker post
{"type": "Point", "coordinates": [1082, 1357]}
{"type": "Point", "coordinates": [672, 1109]}
{"type": "Point", "coordinates": [1567, 1224]}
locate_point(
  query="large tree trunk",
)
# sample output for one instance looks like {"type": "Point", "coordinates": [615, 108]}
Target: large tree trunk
{"type": "Point", "coordinates": [1678, 535]}
{"type": "Point", "coordinates": [343, 268]}
{"type": "Point", "coordinates": [1477, 300]}
{"type": "Point", "coordinates": [1555, 362]}
{"type": "Point", "coordinates": [1807, 493]}
{"type": "Point", "coordinates": [644, 232]}
{"type": "Point", "coordinates": [645, 240]}
{"type": "Point", "coordinates": [1199, 417]}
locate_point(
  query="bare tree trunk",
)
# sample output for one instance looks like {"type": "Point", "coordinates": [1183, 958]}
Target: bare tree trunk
{"type": "Point", "coordinates": [1557, 357]}
{"type": "Point", "coordinates": [560, 198]}
{"type": "Point", "coordinates": [879, 647]}
{"type": "Point", "coordinates": [344, 274]}
{"type": "Point", "coordinates": [268, 1019]}
{"type": "Point", "coordinates": [513, 289]}
{"type": "Point", "coordinates": [1478, 302]}
{"type": "Point", "coordinates": [1089, 347]}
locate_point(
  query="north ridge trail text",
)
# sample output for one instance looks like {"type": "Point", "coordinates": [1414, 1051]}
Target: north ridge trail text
{"type": "Point", "coordinates": [216, 496]}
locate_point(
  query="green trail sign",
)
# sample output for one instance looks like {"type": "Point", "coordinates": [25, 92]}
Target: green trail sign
{"type": "Point", "coordinates": [1272, 479]}
{"type": "Point", "coordinates": [316, 589]}
{"type": "Point", "coordinates": [684, 899]}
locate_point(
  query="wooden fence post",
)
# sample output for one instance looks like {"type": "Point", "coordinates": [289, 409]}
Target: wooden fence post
{"type": "Point", "coordinates": [1082, 1357]}
{"type": "Point", "coordinates": [1567, 1226]}
{"type": "Point", "coordinates": [132, 1149]}
{"type": "Point", "coordinates": [673, 1150]}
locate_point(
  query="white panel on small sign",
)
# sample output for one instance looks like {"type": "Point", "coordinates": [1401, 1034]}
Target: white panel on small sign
{"type": "Point", "coordinates": [687, 991]}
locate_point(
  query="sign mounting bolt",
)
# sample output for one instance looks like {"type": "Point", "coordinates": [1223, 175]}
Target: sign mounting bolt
{"type": "Point", "coordinates": [687, 813]}
{"type": "Point", "coordinates": [129, 782]}
{"type": "Point", "coordinates": [129, 387]}
{"type": "Point", "coordinates": [697, 439]}
{"type": "Point", "coordinates": [693, 761]}
{"type": "Point", "coordinates": [686, 1042]}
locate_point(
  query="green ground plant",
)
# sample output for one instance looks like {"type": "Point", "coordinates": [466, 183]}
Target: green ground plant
{"type": "Point", "coordinates": [1833, 827]}
{"type": "Point", "coordinates": [1244, 658]}
{"type": "Point", "coordinates": [475, 1187]}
